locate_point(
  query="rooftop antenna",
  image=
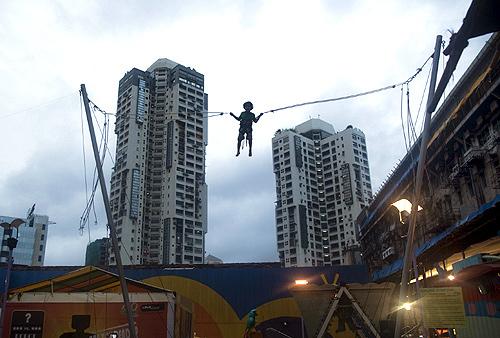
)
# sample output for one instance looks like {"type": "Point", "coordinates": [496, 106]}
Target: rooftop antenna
{"type": "Point", "coordinates": [30, 211]}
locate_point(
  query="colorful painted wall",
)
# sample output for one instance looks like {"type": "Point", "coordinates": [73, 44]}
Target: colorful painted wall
{"type": "Point", "coordinates": [222, 295]}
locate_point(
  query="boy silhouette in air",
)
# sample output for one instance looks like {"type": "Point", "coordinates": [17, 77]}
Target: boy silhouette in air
{"type": "Point", "coordinates": [246, 118]}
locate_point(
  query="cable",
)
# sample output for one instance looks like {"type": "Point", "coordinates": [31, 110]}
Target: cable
{"type": "Point", "coordinates": [402, 120]}
{"type": "Point", "coordinates": [411, 78]}
{"type": "Point", "coordinates": [412, 136]}
{"type": "Point", "coordinates": [218, 114]}
{"type": "Point", "coordinates": [422, 98]}
{"type": "Point", "coordinates": [99, 109]}
{"type": "Point", "coordinates": [48, 103]}
{"type": "Point", "coordinates": [333, 99]}
{"type": "Point", "coordinates": [84, 162]}
{"type": "Point", "coordinates": [90, 205]}
{"type": "Point", "coordinates": [373, 91]}
{"type": "Point", "coordinates": [103, 131]}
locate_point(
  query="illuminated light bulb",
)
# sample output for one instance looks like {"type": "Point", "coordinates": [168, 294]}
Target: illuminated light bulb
{"type": "Point", "coordinates": [301, 282]}
{"type": "Point", "coordinates": [407, 306]}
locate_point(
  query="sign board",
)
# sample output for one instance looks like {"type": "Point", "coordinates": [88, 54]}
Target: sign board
{"type": "Point", "coordinates": [26, 324]}
{"type": "Point", "coordinates": [443, 307]}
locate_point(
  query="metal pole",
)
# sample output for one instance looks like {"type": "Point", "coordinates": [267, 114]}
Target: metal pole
{"type": "Point", "coordinates": [302, 326]}
{"type": "Point", "coordinates": [418, 186]}
{"type": "Point", "coordinates": [6, 291]}
{"type": "Point", "coordinates": [111, 224]}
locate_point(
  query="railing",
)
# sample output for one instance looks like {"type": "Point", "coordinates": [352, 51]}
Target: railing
{"type": "Point", "coordinates": [472, 154]}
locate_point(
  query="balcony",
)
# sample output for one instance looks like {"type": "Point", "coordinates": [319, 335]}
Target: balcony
{"type": "Point", "coordinates": [492, 142]}
{"type": "Point", "coordinates": [388, 252]}
{"type": "Point", "coordinates": [457, 172]}
{"type": "Point", "coordinates": [472, 154]}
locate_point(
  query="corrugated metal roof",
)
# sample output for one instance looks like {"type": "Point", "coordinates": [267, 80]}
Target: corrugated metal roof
{"type": "Point", "coordinates": [86, 279]}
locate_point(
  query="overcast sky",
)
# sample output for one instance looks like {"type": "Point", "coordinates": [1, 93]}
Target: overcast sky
{"type": "Point", "coordinates": [274, 53]}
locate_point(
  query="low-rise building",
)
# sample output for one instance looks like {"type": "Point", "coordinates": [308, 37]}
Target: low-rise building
{"type": "Point", "coordinates": [32, 240]}
{"type": "Point", "coordinates": [461, 187]}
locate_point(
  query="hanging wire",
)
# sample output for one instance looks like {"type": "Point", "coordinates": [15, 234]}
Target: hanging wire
{"type": "Point", "coordinates": [333, 99]}
{"type": "Point", "coordinates": [351, 96]}
{"type": "Point", "coordinates": [84, 162]}
{"type": "Point", "coordinates": [422, 99]}
{"type": "Point", "coordinates": [409, 132]}
{"type": "Point", "coordinates": [38, 106]}
{"type": "Point", "coordinates": [411, 78]}
{"type": "Point", "coordinates": [102, 149]}
{"type": "Point", "coordinates": [103, 131]}
{"type": "Point", "coordinates": [402, 119]}
{"type": "Point", "coordinates": [409, 119]}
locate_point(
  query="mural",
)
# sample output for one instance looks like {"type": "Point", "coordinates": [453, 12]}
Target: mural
{"type": "Point", "coordinates": [219, 298]}
{"type": "Point", "coordinates": [215, 317]}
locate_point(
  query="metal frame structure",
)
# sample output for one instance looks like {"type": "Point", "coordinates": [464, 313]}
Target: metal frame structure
{"type": "Point", "coordinates": [344, 291]}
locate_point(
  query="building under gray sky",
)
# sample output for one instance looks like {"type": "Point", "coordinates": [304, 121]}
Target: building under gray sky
{"type": "Point", "coordinates": [32, 240]}
{"type": "Point", "coordinates": [322, 184]}
{"type": "Point", "coordinates": [158, 191]}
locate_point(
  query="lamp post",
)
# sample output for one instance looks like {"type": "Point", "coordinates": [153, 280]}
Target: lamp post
{"type": "Point", "coordinates": [11, 244]}
{"type": "Point", "coordinates": [403, 205]}
{"type": "Point", "coordinates": [302, 283]}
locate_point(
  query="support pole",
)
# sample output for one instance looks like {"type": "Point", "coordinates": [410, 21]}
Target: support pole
{"type": "Point", "coordinates": [418, 186]}
{"type": "Point", "coordinates": [111, 224]}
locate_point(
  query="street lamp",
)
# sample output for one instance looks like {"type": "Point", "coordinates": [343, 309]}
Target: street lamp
{"type": "Point", "coordinates": [404, 205]}
{"type": "Point", "coordinates": [11, 244]}
{"type": "Point", "coordinates": [407, 306]}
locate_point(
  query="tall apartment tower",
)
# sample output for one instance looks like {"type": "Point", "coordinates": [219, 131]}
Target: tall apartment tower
{"type": "Point", "coordinates": [158, 192]}
{"type": "Point", "coordinates": [322, 184]}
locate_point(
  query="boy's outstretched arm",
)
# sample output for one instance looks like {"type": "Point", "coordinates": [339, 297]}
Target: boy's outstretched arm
{"type": "Point", "coordinates": [236, 117]}
{"type": "Point", "coordinates": [256, 119]}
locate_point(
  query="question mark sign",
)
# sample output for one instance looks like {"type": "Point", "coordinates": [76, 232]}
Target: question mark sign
{"type": "Point", "coordinates": [28, 317]}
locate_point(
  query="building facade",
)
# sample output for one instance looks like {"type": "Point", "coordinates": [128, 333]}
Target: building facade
{"type": "Point", "coordinates": [158, 192]}
{"type": "Point", "coordinates": [96, 253]}
{"type": "Point", "coordinates": [461, 187]}
{"type": "Point", "coordinates": [322, 183]}
{"type": "Point", "coordinates": [32, 240]}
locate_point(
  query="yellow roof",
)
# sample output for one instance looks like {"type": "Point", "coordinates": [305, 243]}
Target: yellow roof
{"type": "Point", "coordinates": [87, 279]}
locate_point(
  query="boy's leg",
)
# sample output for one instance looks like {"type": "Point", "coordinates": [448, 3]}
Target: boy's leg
{"type": "Point", "coordinates": [249, 138]}
{"type": "Point", "coordinates": [240, 138]}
